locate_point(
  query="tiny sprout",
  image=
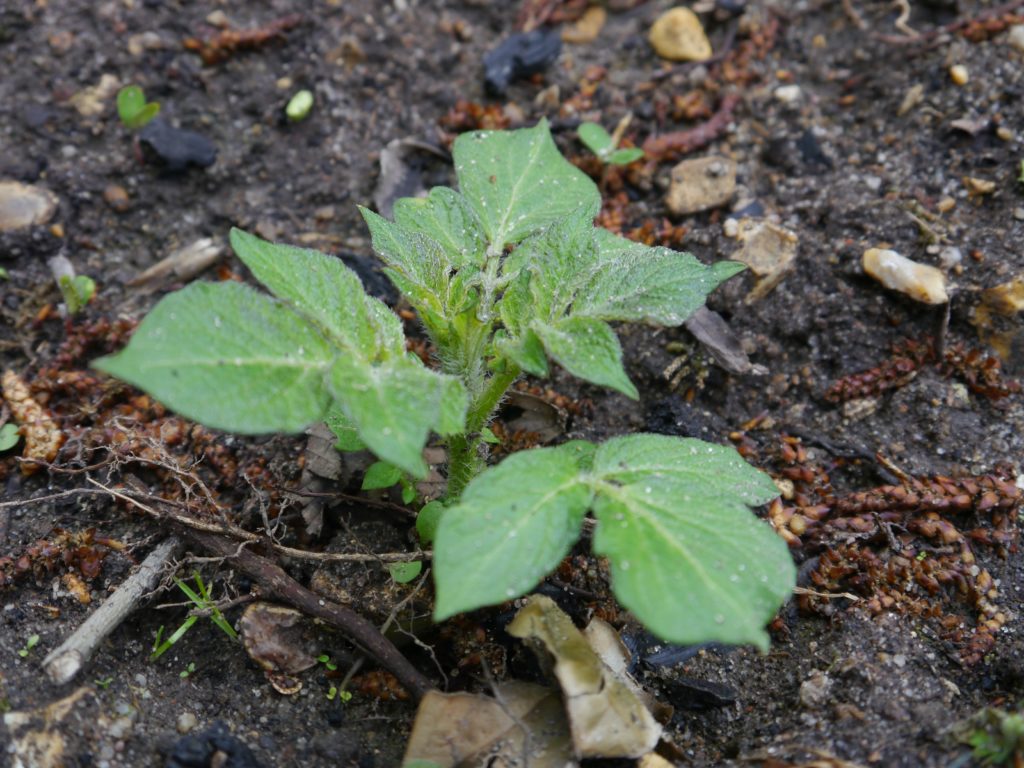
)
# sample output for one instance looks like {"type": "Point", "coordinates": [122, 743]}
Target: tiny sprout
{"type": "Point", "coordinates": [191, 668]}
{"type": "Point", "coordinates": [31, 643]}
{"type": "Point", "coordinates": [299, 106]}
{"type": "Point", "coordinates": [103, 682]}
{"type": "Point", "coordinates": [3, 274]}
{"type": "Point", "coordinates": [342, 695]}
{"type": "Point", "coordinates": [605, 145]}
{"type": "Point", "coordinates": [133, 109]}
{"type": "Point", "coordinates": [326, 661]}
{"type": "Point", "coordinates": [77, 291]}
{"type": "Point", "coordinates": [1021, 177]}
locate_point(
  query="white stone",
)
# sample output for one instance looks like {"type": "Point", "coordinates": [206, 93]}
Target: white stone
{"type": "Point", "coordinates": [788, 94]}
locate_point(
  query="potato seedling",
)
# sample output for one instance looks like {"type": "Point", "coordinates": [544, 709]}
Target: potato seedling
{"type": "Point", "coordinates": [508, 275]}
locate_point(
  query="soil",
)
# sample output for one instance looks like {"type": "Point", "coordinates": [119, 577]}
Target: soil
{"type": "Point", "coordinates": [880, 676]}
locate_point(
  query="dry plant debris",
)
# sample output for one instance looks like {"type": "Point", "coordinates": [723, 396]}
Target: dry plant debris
{"type": "Point", "coordinates": [907, 547]}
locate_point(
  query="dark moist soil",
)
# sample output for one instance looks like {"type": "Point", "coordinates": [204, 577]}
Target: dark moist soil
{"type": "Point", "coordinates": [879, 679]}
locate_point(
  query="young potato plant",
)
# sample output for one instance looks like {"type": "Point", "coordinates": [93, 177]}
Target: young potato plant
{"type": "Point", "coordinates": [508, 275]}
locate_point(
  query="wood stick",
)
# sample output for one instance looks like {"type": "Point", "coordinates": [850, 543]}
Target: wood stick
{"type": "Point", "coordinates": [278, 584]}
{"type": "Point", "coordinates": [64, 662]}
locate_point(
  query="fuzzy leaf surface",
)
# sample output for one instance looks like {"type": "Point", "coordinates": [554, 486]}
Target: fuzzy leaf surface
{"type": "Point", "coordinates": [687, 556]}
{"type": "Point", "coordinates": [518, 182]}
{"type": "Point", "coordinates": [229, 357]}
{"type": "Point", "coordinates": [393, 407]}
{"type": "Point", "coordinates": [446, 217]}
{"type": "Point", "coordinates": [589, 349]}
{"type": "Point", "coordinates": [323, 289]}
{"type": "Point", "coordinates": [632, 281]}
{"type": "Point", "coordinates": [512, 526]}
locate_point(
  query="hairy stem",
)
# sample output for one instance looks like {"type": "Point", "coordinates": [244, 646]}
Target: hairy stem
{"type": "Point", "coordinates": [464, 460]}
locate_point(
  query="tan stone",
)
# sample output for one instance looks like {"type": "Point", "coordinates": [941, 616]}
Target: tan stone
{"type": "Point", "coordinates": [92, 101]}
{"type": "Point", "coordinates": [701, 184]}
{"type": "Point", "coordinates": [920, 282]}
{"type": "Point", "coordinates": [679, 36]}
{"type": "Point", "coordinates": [769, 250]}
{"type": "Point", "coordinates": [22, 205]}
{"type": "Point", "coordinates": [587, 27]}
{"type": "Point", "coordinates": [998, 320]}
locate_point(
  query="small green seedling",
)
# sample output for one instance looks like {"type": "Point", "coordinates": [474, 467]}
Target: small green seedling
{"type": "Point", "coordinates": [4, 275]}
{"type": "Point", "coordinates": [606, 145]}
{"type": "Point", "coordinates": [187, 671]}
{"type": "Point", "coordinates": [997, 736]}
{"type": "Point", "coordinates": [329, 665]}
{"type": "Point", "coordinates": [9, 436]}
{"type": "Point", "coordinates": [1020, 178]}
{"type": "Point", "coordinates": [103, 682]}
{"type": "Point", "coordinates": [299, 106]}
{"type": "Point", "coordinates": [343, 696]}
{"type": "Point", "coordinates": [204, 604]}
{"type": "Point", "coordinates": [133, 109]}
{"type": "Point", "coordinates": [76, 291]}
{"type": "Point", "coordinates": [509, 276]}
{"type": "Point", "coordinates": [31, 643]}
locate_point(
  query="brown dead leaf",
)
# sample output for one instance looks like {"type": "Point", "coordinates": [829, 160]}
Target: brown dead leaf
{"type": "Point", "coordinates": [464, 730]}
{"type": "Point", "coordinates": [277, 638]}
{"type": "Point", "coordinates": [606, 718]}
{"type": "Point", "coordinates": [37, 736]}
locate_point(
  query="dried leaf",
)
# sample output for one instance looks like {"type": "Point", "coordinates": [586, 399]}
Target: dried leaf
{"type": "Point", "coordinates": [277, 639]}
{"type": "Point", "coordinates": [715, 335]}
{"type": "Point", "coordinates": [463, 730]}
{"type": "Point", "coordinates": [605, 716]}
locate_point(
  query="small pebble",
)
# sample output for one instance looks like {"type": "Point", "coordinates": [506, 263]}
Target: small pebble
{"type": "Point", "coordinates": [587, 27]}
{"type": "Point", "coordinates": [920, 282]}
{"type": "Point", "coordinates": [1004, 133]}
{"type": "Point", "coordinates": [1015, 37]}
{"type": "Point", "coordinates": [116, 197]}
{"type": "Point", "coordinates": [186, 722]}
{"type": "Point", "coordinates": [1018, 214]}
{"type": "Point", "coordinates": [873, 183]}
{"type": "Point", "coordinates": [23, 205]}
{"type": "Point", "coordinates": [950, 257]}
{"type": "Point", "coordinates": [788, 94]}
{"type": "Point", "coordinates": [678, 35]}
{"type": "Point", "coordinates": [731, 228]}
{"type": "Point", "coordinates": [701, 184]}
{"type": "Point", "coordinates": [958, 73]}
{"type": "Point", "coordinates": [946, 204]}
{"type": "Point", "coordinates": [976, 186]}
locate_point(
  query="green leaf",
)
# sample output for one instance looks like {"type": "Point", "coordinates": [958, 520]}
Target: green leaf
{"type": "Point", "coordinates": [417, 257]}
{"type": "Point", "coordinates": [687, 556]}
{"type": "Point", "coordinates": [557, 258]}
{"type": "Point", "coordinates": [514, 523]}
{"type": "Point", "coordinates": [132, 108]}
{"type": "Point", "coordinates": [380, 474]}
{"type": "Point", "coordinates": [9, 436]}
{"type": "Point", "coordinates": [394, 406]}
{"type": "Point", "coordinates": [229, 357]}
{"type": "Point", "coordinates": [527, 352]}
{"type": "Point", "coordinates": [324, 290]}
{"type": "Point", "coordinates": [489, 437]}
{"type": "Point", "coordinates": [518, 182]}
{"type": "Point", "coordinates": [428, 519]}
{"type": "Point", "coordinates": [76, 291]}
{"type": "Point", "coordinates": [625, 156]}
{"type": "Point", "coordinates": [403, 573]}
{"type": "Point", "coordinates": [130, 101]}
{"type": "Point", "coordinates": [344, 430]}
{"type": "Point", "coordinates": [589, 349]}
{"type": "Point", "coordinates": [635, 282]}
{"type": "Point", "coordinates": [445, 216]}
{"type": "Point", "coordinates": [595, 138]}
